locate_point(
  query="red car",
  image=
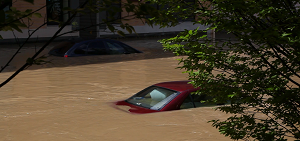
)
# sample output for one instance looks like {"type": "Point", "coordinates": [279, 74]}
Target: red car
{"type": "Point", "coordinates": [164, 96]}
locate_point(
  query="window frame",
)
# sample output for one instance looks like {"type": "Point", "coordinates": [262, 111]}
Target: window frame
{"type": "Point", "coordinates": [62, 13]}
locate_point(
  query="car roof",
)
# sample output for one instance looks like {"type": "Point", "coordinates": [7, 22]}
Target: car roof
{"type": "Point", "coordinates": [98, 39]}
{"type": "Point", "coordinates": [176, 85]}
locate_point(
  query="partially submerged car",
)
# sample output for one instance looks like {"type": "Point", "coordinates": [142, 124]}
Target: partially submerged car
{"type": "Point", "coordinates": [72, 48]}
{"type": "Point", "coordinates": [164, 96]}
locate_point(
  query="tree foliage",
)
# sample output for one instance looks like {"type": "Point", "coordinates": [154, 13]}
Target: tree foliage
{"type": "Point", "coordinates": [258, 71]}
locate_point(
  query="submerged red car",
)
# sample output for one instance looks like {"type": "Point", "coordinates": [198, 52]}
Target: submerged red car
{"type": "Point", "coordinates": [164, 96]}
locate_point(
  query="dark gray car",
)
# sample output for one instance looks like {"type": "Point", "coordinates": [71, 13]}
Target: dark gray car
{"type": "Point", "coordinates": [74, 48]}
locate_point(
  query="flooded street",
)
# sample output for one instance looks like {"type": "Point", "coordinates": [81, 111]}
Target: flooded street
{"type": "Point", "coordinates": [71, 99]}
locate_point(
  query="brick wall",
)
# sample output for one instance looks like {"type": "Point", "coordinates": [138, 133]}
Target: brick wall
{"type": "Point", "coordinates": [22, 6]}
{"type": "Point", "coordinates": [205, 4]}
{"type": "Point", "coordinates": [133, 22]}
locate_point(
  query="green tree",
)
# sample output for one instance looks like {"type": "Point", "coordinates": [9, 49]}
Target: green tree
{"type": "Point", "coordinates": [258, 71]}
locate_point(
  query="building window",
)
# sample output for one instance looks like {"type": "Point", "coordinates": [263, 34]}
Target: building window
{"type": "Point", "coordinates": [5, 5]}
{"type": "Point", "coordinates": [55, 12]}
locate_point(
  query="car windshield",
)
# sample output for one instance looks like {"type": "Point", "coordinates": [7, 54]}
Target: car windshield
{"type": "Point", "coordinates": [153, 97]}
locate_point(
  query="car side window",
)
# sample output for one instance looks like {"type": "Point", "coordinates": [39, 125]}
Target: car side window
{"type": "Point", "coordinates": [115, 48]}
{"type": "Point", "coordinates": [187, 103]}
{"type": "Point", "coordinates": [81, 49]}
{"type": "Point", "coordinates": [194, 100]}
{"type": "Point", "coordinates": [96, 48]}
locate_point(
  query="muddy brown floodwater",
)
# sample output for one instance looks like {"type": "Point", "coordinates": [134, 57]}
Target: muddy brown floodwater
{"type": "Point", "coordinates": [70, 99]}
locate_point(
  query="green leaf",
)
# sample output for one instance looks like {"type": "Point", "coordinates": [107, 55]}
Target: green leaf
{"type": "Point", "coordinates": [29, 61]}
{"type": "Point", "coordinates": [13, 9]}
{"type": "Point", "coordinates": [122, 26]}
{"type": "Point", "coordinates": [1, 37]}
{"type": "Point", "coordinates": [121, 33]}
{"type": "Point", "coordinates": [286, 34]}
{"type": "Point", "coordinates": [111, 28]}
{"type": "Point", "coordinates": [80, 9]}
{"type": "Point", "coordinates": [38, 15]}
{"type": "Point", "coordinates": [129, 30]}
{"type": "Point", "coordinates": [16, 27]}
{"type": "Point", "coordinates": [132, 28]}
{"type": "Point", "coordinates": [28, 11]}
{"type": "Point", "coordinates": [149, 22]}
